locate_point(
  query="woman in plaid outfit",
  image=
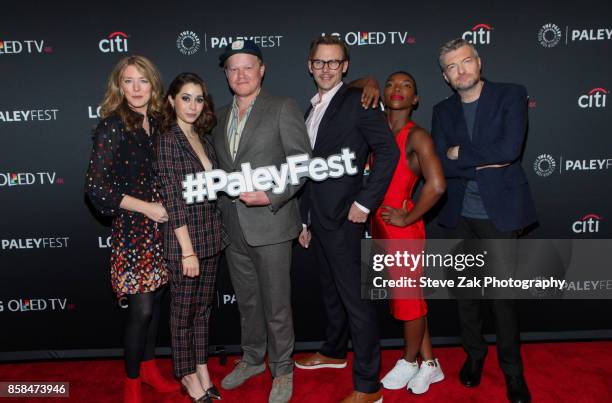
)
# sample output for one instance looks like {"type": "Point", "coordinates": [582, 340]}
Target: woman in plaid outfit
{"type": "Point", "coordinates": [194, 235]}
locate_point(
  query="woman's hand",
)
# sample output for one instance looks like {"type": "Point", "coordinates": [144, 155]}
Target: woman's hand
{"type": "Point", "coordinates": [156, 212]}
{"type": "Point", "coordinates": [191, 266]}
{"type": "Point", "coordinates": [395, 216]}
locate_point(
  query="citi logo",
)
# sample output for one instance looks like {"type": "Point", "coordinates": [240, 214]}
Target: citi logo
{"type": "Point", "coordinates": [116, 42]}
{"type": "Point", "coordinates": [596, 98]}
{"type": "Point", "coordinates": [480, 34]}
{"type": "Point", "coordinates": [588, 224]}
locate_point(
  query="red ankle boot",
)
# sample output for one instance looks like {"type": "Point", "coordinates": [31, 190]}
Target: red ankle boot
{"type": "Point", "coordinates": [132, 392]}
{"type": "Point", "coordinates": [149, 372]}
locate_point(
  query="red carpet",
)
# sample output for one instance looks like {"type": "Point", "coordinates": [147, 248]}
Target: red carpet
{"type": "Point", "coordinates": [555, 372]}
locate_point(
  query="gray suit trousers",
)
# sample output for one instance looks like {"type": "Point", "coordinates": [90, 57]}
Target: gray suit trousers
{"type": "Point", "coordinates": [261, 279]}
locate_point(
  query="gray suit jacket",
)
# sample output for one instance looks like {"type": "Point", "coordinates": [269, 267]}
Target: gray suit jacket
{"type": "Point", "coordinates": [274, 130]}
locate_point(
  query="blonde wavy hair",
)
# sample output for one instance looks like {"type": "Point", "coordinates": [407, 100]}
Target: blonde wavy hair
{"type": "Point", "coordinates": [114, 101]}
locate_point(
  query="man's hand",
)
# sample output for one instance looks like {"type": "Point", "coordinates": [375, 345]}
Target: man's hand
{"type": "Point", "coordinates": [395, 216]}
{"type": "Point", "coordinates": [191, 266]}
{"type": "Point", "coordinates": [357, 215]}
{"type": "Point", "coordinates": [305, 237]}
{"type": "Point", "coordinates": [370, 94]}
{"type": "Point", "coordinates": [453, 153]}
{"type": "Point", "coordinates": [258, 198]}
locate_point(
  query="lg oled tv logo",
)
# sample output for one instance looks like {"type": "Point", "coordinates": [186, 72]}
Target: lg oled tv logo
{"type": "Point", "coordinates": [375, 38]}
{"type": "Point", "coordinates": [116, 42]}
{"type": "Point", "coordinates": [480, 34]}
{"type": "Point", "coordinates": [94, 112]}
{"type": "Point", "coordinates": [36, 305]}
{"type": "Point", "coordinates": [30, 46]}
{"type": "Point", "coordinates": [595, 98]}
{"type": "Point", "coordinates": [11, 179]}
{"type": "Point", "coordinates": [589, 224]}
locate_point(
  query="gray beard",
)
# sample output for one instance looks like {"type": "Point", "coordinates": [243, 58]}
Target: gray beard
{"type": "Point", "coordinates": [467, 86]}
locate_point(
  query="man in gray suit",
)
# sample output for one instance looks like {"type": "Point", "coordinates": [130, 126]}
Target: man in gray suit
{"type": "Point", "coordinates": [263, 130]}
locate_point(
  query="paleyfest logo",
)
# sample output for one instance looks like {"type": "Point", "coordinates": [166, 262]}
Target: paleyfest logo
{"type": "Point", "coordinates": [544, 165]}
{"type": "Point", "coordinates": [550, 35]}
{"type": "Point", "coordinates": [188, 43]}
{"type": "Point", "coordinates": [208, 184]}
{"type": "Point", "coordinates": [480, 34]}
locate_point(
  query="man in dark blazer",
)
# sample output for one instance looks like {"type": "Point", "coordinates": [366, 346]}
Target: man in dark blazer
{"type": "Point", "coordinates": [263, 130]}
{"type": "Point", "coordinates": [479, 134]}
{"type": "Point", "coordinates": [336, 210]}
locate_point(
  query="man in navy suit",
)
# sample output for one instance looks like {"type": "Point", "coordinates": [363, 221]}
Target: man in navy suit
{"type": "Point", "coordinates": [479, 134]}
{"type": "Point", "coordinates": [337, 209]}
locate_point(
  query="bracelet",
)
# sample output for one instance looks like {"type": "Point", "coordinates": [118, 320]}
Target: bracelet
{"type": "Point", "coordinates": [185, 257]}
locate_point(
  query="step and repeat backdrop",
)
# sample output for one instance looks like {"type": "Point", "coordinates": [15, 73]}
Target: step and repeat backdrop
{"type": "Point", "coordinates": [55, 295]}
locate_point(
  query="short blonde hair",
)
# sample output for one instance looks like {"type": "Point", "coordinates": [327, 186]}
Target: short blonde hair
{"type": "Point", "coordinates": [114, 100]}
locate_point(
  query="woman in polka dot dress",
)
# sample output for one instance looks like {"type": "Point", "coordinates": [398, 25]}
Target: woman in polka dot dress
{"type": "Point", "coordinates": [121, 183]}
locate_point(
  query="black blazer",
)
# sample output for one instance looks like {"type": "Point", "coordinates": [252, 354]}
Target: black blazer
{"type": "Point", "coordinates": [346, 124]}
{"type": "Point", "coordinates": [498, 138]}
{"type": "Point", "coordinates": [175, 159]}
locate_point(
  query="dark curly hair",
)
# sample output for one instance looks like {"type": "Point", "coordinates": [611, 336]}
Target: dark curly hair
{"type": "Point", "coordinates": [205, 122]}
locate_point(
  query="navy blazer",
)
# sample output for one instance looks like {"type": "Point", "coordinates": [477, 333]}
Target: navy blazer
{"type": "Point", "coordinates": [346, 124]}
{"type": "Point", "coordinates": [498, 138]}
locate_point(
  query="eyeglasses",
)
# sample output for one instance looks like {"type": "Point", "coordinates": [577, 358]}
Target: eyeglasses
{"type": "Point", "coordinates": [332, 64]}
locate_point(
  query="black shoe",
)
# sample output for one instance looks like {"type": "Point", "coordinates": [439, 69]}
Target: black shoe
{"type": "Point", "coordinates": [213, 393]}
{"type": "Point", "coordinates": [517, 389]}
{"type": "Point", "coordinates": [471, 372]}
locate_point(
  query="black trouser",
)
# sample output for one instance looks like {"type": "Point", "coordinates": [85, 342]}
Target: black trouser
{"type": "Point", "coordinates": [338, 255]}
{"type": "Point", "coordinates": [505, 313]}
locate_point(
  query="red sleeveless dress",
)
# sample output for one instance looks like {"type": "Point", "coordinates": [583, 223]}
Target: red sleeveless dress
{"type": "Point", "coordinates": [400, 189]}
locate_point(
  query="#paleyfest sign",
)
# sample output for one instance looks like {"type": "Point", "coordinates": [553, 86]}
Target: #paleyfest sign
{"type": "Point", "coordinates": [208, 184]}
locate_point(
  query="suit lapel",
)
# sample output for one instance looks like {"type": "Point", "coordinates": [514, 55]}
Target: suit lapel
{"type": "Point", "coordinates": [331, 110]}
{"type": "Point", "coordinates": [223, 115]}
{"type": "Point", "coordinates": [255, 116]}
{"type": "Point", "coordinates": [184, 143]}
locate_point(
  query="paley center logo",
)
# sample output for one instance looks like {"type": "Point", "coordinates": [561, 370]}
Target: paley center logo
{"type": "Point", "coordinates": [263, 41]}
{"type": "Point", "coordinates": [595, 98]}
{"type": "Point", "coordinates": [545, 165]}
{"type": "Point", "coordinates": [480, 34]}
{"type": "Point", "coordinates": [208, 184]}
{"type": "Point", "coordinates": [29, 46]}
{"type": "Point", "coordinates": [116, 42]}
{"type": "Point", "coordinates": [36, 305]}
{"type": "Point", "coordinates": [32, 115]}
{"type": "Point", "coordinates": [188, 43]}
{"type": "Point", "coordinates": [364, 38]}
{"type": "Point", "coordinates": [589, 224]}
{"type": "Point", "coordinates": [550, 35]}
{"type": "Point", "coordinates": [10, 179]}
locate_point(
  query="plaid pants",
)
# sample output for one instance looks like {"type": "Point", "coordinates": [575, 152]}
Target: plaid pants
{"type": "Point", "coordinates": [190, 308]}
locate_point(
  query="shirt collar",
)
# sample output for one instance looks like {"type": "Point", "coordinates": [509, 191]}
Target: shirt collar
{"type": "Point", "coordinates": [317, 99]}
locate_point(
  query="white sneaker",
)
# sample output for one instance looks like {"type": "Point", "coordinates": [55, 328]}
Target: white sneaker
{"type": "Point", "coordinates": [401, 373]}
{"type": "Point", "coordinates": [428, 373]}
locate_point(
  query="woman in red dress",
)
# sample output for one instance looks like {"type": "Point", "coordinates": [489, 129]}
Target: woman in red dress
{"type": "Point", "coordinates": [401, 218]}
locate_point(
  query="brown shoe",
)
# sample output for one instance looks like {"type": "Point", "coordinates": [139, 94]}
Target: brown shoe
{"type": "Point", "coordinates": [361, 397]}
{"type": "Point", "coordinates": [318, 360]}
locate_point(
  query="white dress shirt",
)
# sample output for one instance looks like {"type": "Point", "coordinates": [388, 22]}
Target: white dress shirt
{"type": "Point", "coordinates": [319, 106]}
